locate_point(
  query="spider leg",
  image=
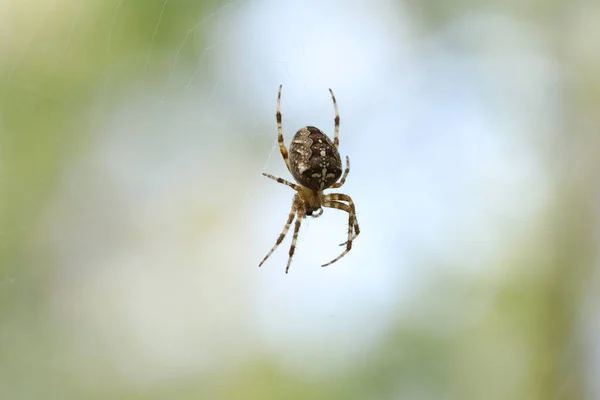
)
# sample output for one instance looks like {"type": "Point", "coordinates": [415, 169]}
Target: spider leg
{"type": "Point", "coordinates": [351, 224]}
{"type": "Point", "coordinates": [336, 135]}
{"type": "Point", "coordinates": [299, 217]}
{"type": "Point", "coordinates": [344, 197]}
{"type": "Point", "coordinates": [317, 213]}
{"type": "Point", "coordinates": [284, 152]}
{"type": "Point", "coordinates": [343, 180]}
{"type": "Point", "coordinates": [345, 207]}
{"type": "Point", "coordinates": [283, 181]}
{"type": "Point", "coordinates": [334, 200]}
{"type": "Point", "coordinates": [283, 232]}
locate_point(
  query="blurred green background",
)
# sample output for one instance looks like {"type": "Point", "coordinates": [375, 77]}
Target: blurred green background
{"type": "Point", "coordinates": [133, 214]}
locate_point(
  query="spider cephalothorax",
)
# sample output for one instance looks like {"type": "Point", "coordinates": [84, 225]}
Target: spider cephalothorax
{"type": "Point", "coordinates": [316, 165]}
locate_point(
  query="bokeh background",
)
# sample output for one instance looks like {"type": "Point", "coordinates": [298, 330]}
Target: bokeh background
{"type": "Point", "coordinates": [133, 213]}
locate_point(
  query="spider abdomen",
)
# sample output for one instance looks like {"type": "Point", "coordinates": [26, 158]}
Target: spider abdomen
{"type": "Point", "coordinates": [315, 162]}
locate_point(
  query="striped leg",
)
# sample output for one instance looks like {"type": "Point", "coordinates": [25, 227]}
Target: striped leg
{"type": "Point", "coordinates": [284, 152]}
{"type": "Point", "coordinates": [336, 135]}
{"type": "Point", "coordinates": [299, 217]}
{"type": "Point", "coordinates": [283, 232]}
{"type": "Point", "coordinates": [351, 225]}
{"type": "Point", "coordinates": [344, 197]}
{"type": "Point", "coordinates": [283, 181]}
{"type": "Point", "coordinates": [345, 207]}
{"type": "Point", "coordinates": [344, 176]}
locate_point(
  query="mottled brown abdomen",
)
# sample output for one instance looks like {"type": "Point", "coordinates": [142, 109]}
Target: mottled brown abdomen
{"type": "Point", "coordinates": [314, 160]}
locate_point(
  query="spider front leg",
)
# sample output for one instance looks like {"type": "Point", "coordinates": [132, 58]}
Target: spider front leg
{"type": "Point", "coordinates": [331, 201]}
{"type": "Point", "coordinates": [299, 217]}
{"type": "Point", "coordinates": [345, 207]}
{"type": "Point", "coordinates": [348, 199]}
{"type": "Point", "coordinates": [283, 232]}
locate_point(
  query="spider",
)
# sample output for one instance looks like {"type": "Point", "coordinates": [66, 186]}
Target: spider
{"type": "Point", "coordinates": [315, 164]}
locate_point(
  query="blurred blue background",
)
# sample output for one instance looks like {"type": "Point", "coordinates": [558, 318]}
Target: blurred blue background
{"type": "Point", "coordinates": [133, 212]}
